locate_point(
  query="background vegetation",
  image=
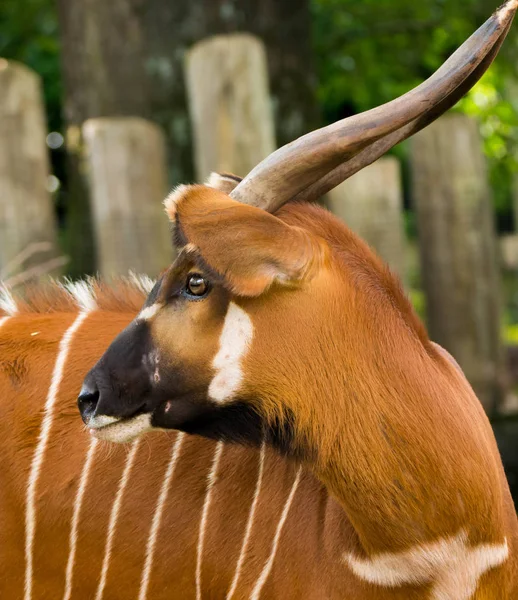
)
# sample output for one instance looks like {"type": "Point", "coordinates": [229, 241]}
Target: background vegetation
{"type": "Point", "coordinates": [365, 53]}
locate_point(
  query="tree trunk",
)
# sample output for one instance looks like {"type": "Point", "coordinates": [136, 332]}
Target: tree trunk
{"type": "Point", "coordinates": [229, 104]}
{"type": "Point", "coordinates": [371, 203]}
{"type": "Point", "coordinates": [284, 27]}
{"type": "Point", "coordinates": [104, 75]}
{"type": "Point", "coordinates": [26, 209]}
{"type": "Point", "coordinates": [458, 251]}
{"type": "Point", "coordinates": [139, 72]}
{"type": "Point", "coordinates": [126, 166]}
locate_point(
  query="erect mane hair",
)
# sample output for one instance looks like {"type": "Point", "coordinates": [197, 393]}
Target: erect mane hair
{"type": "Point", "coordinates": [124, 294]}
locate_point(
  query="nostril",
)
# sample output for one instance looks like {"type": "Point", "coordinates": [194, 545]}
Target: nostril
{"type": "Point", "coordinates": [87, 403]}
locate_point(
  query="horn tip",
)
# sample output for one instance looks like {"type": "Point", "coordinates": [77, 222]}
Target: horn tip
{"type": "Point", "coordinates": [507, 10]}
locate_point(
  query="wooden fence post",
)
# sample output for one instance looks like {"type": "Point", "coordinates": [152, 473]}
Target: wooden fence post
{"type": "Point", "coordinates": [27, 216]}
{"type": "Point", "coordinates": [125, 159]}
{"type": "Point", "coordinates": [459, 251]}
{"type": "Point", "coordinates": [229, 102]}
{"type": "Point", "coordinates": [371, 203]}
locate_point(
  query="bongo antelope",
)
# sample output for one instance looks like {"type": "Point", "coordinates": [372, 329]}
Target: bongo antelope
{"type": "Point", "coordinates": [338, 452]}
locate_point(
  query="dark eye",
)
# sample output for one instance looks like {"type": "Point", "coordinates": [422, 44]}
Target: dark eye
{"type": "Point", "coordinates": [196, 286]}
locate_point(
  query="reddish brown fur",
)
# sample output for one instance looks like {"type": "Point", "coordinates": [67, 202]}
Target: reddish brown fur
{"type": "Point", "coordinates": [398, 434]}
{"type": "Point", "coordinates": [385, 420]}
{"type": "Point", "coordinates": [315, 571]}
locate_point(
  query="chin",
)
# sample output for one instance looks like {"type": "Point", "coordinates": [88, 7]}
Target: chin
{"type": "Point", "coordinates": [124, 430]}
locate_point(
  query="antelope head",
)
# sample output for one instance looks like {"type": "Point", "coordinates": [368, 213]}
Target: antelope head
{"type": "Point", "coordinates": [275, 316]}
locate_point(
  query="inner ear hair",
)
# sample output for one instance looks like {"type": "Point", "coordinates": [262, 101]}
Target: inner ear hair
{"type": "Point", "coordinates": [224, 182]}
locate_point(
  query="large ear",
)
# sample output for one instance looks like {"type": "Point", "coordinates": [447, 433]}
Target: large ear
{"type": "Point", "coordinates": [248, 247]}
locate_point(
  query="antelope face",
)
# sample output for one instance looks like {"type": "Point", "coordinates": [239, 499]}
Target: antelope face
{"type": "Point", "coordinates": [252, 301]}
{"type": "Point", "coordinates": [200, 355]}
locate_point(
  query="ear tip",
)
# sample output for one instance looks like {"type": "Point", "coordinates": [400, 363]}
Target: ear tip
{"type": "Point", "coordinates": [213, 179]}
{"type": "Point", "coordinates": [172, 199]}
{"type": "Point", "coordinates": [224, 182]}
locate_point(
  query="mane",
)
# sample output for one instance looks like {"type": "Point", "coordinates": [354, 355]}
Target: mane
{"type": "Point", "coordinates": [125, 294]}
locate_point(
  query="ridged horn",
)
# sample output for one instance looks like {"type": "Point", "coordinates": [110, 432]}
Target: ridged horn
{"type": "Point", "coordinates": [317, 162]}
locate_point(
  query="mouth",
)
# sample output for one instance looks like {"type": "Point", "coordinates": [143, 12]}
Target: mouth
{"type": "Point", "coordinates": [120, 431]}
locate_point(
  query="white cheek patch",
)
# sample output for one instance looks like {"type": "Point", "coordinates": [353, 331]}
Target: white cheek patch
{"type": "Point", "coordinates": [125, 431]}
{"type": "Point", "coordinates": [451, 565]}
{"type": "Point", "coordinates": [149, 312]}
{"type": "Point", "coordinates": [234, 342]}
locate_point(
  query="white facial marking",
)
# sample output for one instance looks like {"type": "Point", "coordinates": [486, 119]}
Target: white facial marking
{"type": "Point", "coordinates": [211, 480]}
{"type": "Point", "coordinates": [41, 447]}
{"type": "Point", "coordinates": [101, 421]}
{"type": "Point", "coordinates": [248, 532]}
{"type": "Point", "coordinates": [151, 362]}
{"type": "Point", "coordinates": [157, 517]}
{"type": "Point", "coordinates": [7, 301]}
{"type": "Point", "coordinates": [83, 482]}
{"type": "Point", "coordinates": [124, 431]}
{"type": "Point", "coordinates": [149, 312]}
{"type": "Point", "coordinates": [234, 342]}
{"type": "Point", "coordinates": [114, 516]}
{"type": "Point", "coordinates": [450, 564]}
{"type": "Point", "coordinates": [3, 320]}
{"type": "Point", "coordinates": [256, 592]}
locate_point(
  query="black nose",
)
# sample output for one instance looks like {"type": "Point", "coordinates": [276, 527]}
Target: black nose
{"type": "Point", "coordinates": [87, 402]}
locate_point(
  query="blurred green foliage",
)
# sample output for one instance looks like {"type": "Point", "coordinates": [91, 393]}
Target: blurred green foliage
{"type": "Point", "coordinates": [371, 51]}
{"type": "Point", "coordinates": [366, 53]}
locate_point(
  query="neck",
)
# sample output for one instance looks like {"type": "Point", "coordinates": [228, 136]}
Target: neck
{"type": "Point", "coordinates": [408, 453]}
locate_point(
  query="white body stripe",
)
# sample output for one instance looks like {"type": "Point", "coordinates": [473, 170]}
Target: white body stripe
{"type": "Point", "coordinates": [39, 453]}
{"type": "Point", "coordinates": [234, 342]}
{"type": "Point", "coordinates": [157, 517]}
{"type": "Point", "coordinates": [83, 482]}
{"type": "Point", "coordinates": [249, 526]}
{"type": "Point", "coordinates": [114, 518]}
{"type": "Point", "coordinates": [269, 563]}
{"type": "Point", "coordinates": [451, 564]}
{"type": "Point", "coordinates": [211, 480]}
